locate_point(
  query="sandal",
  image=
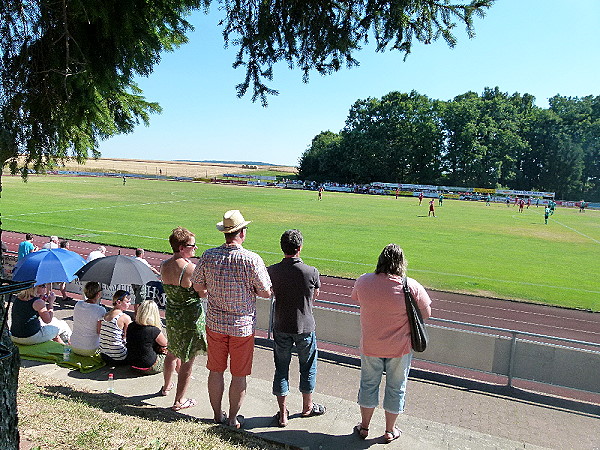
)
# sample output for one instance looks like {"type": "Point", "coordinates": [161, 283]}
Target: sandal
{"type": "Point", "coordinates": [164, 392]}
{"type": "Point", "coordinates": [223, 420]}
{"type": "Point", "coordinates": [390, 436]}
{"type": "Point", "coordinates": [239, 423]}
{"type": "Point", "coordinates": [280, 421]}
{"type": "Point", "coordinates": [184, 405]}
{"type": "Point", "coordinates": [361, 431]}
{"type": "Point", "coordinates": [315, 410]}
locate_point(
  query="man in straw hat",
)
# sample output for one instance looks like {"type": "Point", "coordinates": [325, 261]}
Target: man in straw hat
{"type": "Point", "coordinates": [230, 277]}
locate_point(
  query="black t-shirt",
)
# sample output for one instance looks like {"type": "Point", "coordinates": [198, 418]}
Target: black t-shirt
{"type": "Point", "coordinates": [293, 286]}
{"type": "Point", "coordinates": [25, 320]}
{"type": "Point", "coordinates": [141, 341]}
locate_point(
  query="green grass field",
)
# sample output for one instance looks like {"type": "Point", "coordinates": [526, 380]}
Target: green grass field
{"type": "Point", "coordinates": [469, 247]}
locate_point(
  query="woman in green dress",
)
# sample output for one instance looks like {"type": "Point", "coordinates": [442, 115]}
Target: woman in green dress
{"type": "Point", "coordinates": [184, 316]}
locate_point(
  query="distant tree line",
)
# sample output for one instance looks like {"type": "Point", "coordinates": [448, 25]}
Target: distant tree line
{"type": "Point", "coordinates": [492, 140]}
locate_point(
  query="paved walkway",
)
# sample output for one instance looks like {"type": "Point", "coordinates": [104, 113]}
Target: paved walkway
{"type": "Point", "coordinates": [440, 412]}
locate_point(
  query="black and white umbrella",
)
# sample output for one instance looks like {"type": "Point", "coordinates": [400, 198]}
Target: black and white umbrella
{"type": "Point", "coordinates": [116, 269]}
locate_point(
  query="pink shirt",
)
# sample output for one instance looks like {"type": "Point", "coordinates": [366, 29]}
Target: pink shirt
{"type": "Point", "coordinates": [384, 325]}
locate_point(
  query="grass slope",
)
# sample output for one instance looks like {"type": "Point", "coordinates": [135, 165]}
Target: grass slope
{"type": "Point", "coordinates": [56, 415]}
{"type": "Point", "coordinates": [469, 247]}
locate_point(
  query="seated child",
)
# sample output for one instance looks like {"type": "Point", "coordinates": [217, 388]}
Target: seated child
{"type": "Point", "coordinates": [113, 330]}
{"type": "Point", "coordinates": [87, 318]}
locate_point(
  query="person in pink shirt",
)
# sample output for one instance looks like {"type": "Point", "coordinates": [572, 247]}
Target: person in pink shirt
{"type": "Point", "coordinates": [385, 344]}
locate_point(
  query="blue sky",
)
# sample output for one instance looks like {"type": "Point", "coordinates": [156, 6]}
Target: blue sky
{"type": "Point", "coordinates": [540, 47]}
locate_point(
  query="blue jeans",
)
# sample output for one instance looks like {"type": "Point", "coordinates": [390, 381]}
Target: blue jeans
{"type": "Point", "coordinates": [396, 374]}
{"type": "Point", "coordinates": [306, 346]}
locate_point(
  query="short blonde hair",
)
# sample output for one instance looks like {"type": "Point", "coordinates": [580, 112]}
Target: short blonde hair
{"type": "Point", "coordinates": [27, 293]}
{"type": "Point", "coordinates": [147, 314]}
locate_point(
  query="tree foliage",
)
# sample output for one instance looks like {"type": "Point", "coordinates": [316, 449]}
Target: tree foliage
{"type": "Point", "coordinates": [67, 72]}
{"type": "Point", "coordinates": [489, 140]}
{"type": "Point", "coordinates": [324, 35]}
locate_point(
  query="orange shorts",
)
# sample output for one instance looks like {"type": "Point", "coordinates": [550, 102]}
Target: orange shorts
{"type": "Point", "coordinates": [240, 350]}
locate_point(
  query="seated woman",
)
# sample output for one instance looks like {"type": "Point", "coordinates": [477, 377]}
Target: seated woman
{"type": "Point", "coordinates": [33, 321]}
{"type": "Point", "coordinates": [113, 329]}
{"type": "Point", "coordinates": [146, 343]}
{"type": "Point", "coordinates": [87, 317]}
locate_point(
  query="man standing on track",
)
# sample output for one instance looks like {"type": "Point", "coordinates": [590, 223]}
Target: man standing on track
{"type": "Point", "coordinates": [230, 277]}
{"type": "Point", "coordinates": [26, 247]}
{"type": "Point", "coordinates": [295, 286]}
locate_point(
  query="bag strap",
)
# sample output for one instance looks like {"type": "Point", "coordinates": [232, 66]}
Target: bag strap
{"type": "Point", "coordinates": [405, 287]}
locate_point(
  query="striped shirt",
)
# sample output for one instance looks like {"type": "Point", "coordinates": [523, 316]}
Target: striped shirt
{"type": "Point", "coordinates": [112, 342]}
{"type": "Point", "coordinates": [232, 276]}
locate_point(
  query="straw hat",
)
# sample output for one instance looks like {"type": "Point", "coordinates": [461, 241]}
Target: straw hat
{"type": "Point", "coordinates": [232, 222]}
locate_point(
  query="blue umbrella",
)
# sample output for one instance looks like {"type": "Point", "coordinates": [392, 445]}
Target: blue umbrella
{"type": "Point", "coordinates": [48, 266]}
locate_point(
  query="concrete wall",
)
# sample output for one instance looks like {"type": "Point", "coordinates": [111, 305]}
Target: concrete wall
{"type": "Point", "coordinates": [535, 361]}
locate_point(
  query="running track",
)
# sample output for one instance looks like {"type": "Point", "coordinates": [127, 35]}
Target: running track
{"type": "Point", "coordinates": [528, 317]}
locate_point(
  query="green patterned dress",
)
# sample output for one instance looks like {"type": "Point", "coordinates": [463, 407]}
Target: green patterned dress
{"type": "Point", "coordinates": [185, 322]}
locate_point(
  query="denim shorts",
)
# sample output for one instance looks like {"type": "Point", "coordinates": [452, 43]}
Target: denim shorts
{"type": "Point", "coordinates": [396, 374]}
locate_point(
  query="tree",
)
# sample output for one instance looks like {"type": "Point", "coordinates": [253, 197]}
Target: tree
{"type": "Point", "coordinates": [318, 162]}
{"type": "Point", "coordinates": [483, 136]}
{"type": "Point", "coordinates": [580, 120]}
{"type": "Point", "coordinates": [67, 67]}
{"type": "Point", "coordinates": [66, 81]}
{"type": "Point", "coordinates": [395, 139]}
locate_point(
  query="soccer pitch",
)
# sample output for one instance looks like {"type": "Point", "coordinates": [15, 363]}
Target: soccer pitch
{"type": "Point", "coordinates": [469, 247]}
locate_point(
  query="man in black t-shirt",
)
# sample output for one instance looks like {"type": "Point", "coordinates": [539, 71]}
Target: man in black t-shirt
{"type": "Point", "coordinates": [295, 286]}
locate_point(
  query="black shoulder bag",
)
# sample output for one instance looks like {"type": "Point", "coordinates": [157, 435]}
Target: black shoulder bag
{"type": "Point", "coordinates": [418, 333]}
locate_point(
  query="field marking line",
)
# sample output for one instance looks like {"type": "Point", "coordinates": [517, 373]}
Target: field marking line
{"type": "Point", "coordinates": [93, 208]}
{"type": "Point", "coordinates": [578, 232]}
{"type": "Point", "coordinates": [101, 232]}
{"type": "Point", "coordinates": [525, 283]}
{"type": "Point", "coordinates": [573, 229]}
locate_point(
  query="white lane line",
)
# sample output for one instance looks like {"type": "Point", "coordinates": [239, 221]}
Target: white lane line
{"type": "Point", "coordinates": [481, 306]}
{"type": "Point", "coordinates": [333, 294]}
{"type": "Point", "coordinates": [537, 325]}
